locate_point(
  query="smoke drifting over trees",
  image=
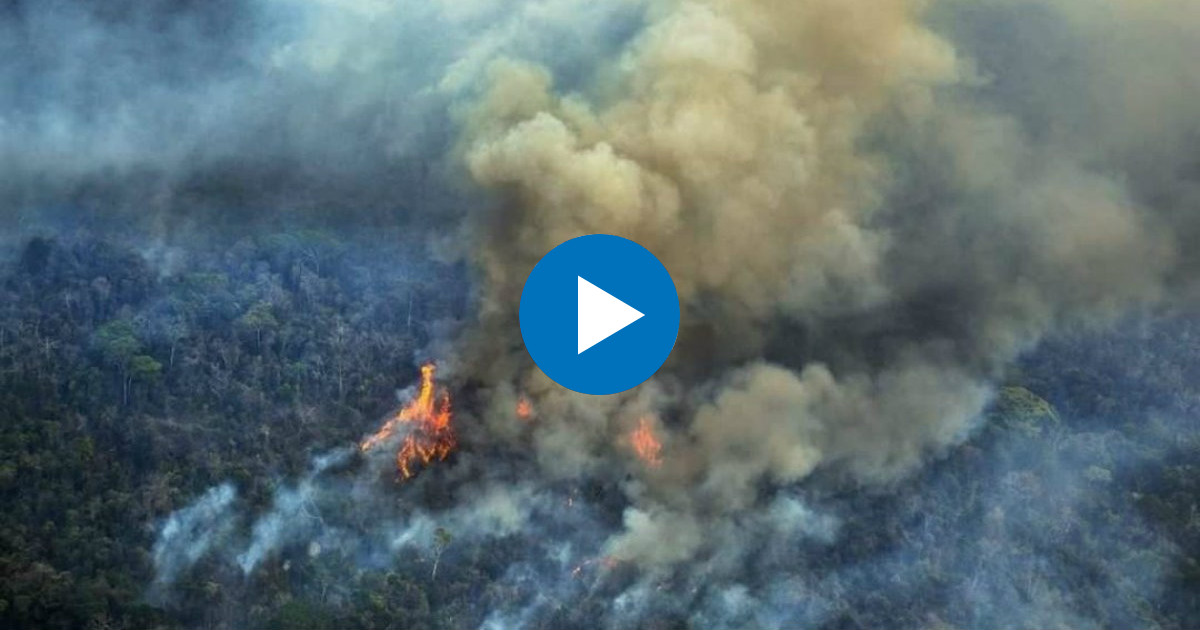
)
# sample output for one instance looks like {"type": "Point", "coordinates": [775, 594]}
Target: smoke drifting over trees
{"type": "Point", "coordinates": [817, 163]}
{"type": "Point", "coordinates": [875, 211]}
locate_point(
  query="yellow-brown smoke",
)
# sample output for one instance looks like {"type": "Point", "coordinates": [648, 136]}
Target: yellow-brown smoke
{"type": "Point", "coordinates": [734, 140]}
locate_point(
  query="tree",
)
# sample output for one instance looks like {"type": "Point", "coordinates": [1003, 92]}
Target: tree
{"type": "Point", "coordinates": [441, 540]}
{"type": "Point", "coordinates": [144, 368]}
{"type": "Point", "coordinates": [259, 318]}
{"type": "Point", "coordinates": [119, 345]}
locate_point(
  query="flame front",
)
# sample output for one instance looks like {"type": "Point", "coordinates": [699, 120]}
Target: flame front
{"type": "Point", "coordinates": [645, 444]}
{"type": "Point", "coordinates": [607, 562]}
{"type": "Point", "coordinates": [427, 419]}
{"type": "Point", "coordinates": [524, 409]}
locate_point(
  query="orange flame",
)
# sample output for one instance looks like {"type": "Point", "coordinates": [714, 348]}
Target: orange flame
{"type": "Point", "coordinates": [607, 563]}
{"type": "Point", "coordinates": [427, 419]}
{"type": "Point", "coordinates": [524, 409]}
{"type": "Point", "coordinates": [645, 444]}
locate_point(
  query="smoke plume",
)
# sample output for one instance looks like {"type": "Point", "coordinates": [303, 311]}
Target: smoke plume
{"type": "Point", "coordinates": [861, 238]}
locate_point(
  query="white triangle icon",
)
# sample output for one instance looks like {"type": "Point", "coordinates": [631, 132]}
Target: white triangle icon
{"type": "Point", "coordinates": [601, 315]}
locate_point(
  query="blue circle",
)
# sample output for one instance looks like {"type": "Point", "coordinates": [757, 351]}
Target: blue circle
{"type": "Point", "coordinates": [549, 314]}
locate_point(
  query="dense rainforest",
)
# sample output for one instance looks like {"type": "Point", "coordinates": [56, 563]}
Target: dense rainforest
{"type": "Point", "coordinates": [126, 391]}
{"type": "Point", "coordinates": [133, 379]}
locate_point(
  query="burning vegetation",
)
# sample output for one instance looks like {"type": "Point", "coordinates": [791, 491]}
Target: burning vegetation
{"type": "Point", "coordinates": [524, 409]}
{"type": "Point", "coordinates": [425, 422]}
{"type": "Point", "coordinates": [646, 444]}
{"type": "Point", "coordinates": [606, 563]}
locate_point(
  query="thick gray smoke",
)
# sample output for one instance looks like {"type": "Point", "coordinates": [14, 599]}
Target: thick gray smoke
{"type": "Point", "coordinates": [871, 209]}
{"type": "Point", "coordinates": [862, 235]}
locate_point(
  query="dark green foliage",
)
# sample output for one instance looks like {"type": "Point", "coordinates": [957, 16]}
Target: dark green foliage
{"type": "Point", "coordinates": [117, 342]}
{"type": "Point", "coordinates": [125, 392]}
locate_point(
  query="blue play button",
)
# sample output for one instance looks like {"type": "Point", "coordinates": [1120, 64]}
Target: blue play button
{"type": "Point", "coordinates": [599, 314]}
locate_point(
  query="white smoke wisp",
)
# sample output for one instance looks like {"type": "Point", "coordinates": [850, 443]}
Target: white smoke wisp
{"type": "Point", "coordinates": [189, 533]}
{"type": "Point", "coordinates": [329, 512]}
{"type": "Point", "coordinates": [293, 513]}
